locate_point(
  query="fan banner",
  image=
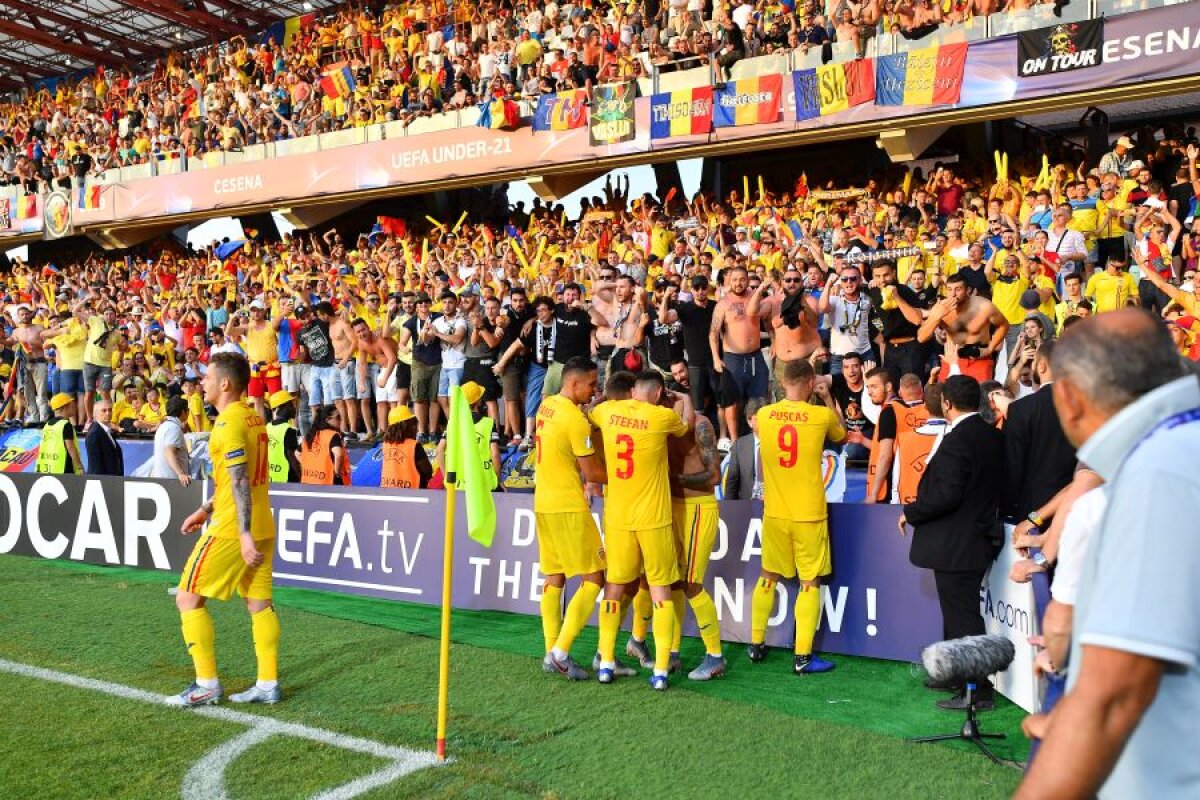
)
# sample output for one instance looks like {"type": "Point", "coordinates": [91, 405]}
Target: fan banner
{"type": "Point", "coordinates": [1060, 48]}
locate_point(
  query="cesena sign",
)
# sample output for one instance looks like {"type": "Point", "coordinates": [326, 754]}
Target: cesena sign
{"type": "Point", "coordinates": [1060, 48]}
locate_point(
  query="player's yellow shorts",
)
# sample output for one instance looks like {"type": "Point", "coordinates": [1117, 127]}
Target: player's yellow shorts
{"type": "Point", "coordinates": [795, 549]}
{"type": "Point", "coordinates": [695, 520]}
{"type": "Point", "coordinates": [569, 543]}
{"type": "Point", "coordinates": [630, 553]}
{"type": "Point", "coordinates": [216, 567]}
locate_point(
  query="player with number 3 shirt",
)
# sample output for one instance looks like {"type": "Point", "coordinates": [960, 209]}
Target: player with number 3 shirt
{"type": "Point", "coordinates": [795, 532]}
{"type": "Point", "coordinates": [637, 511]}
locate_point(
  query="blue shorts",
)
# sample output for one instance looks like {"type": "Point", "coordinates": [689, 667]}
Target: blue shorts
{"type": "Point", "coordinates": [70, 381]}
{"type": "Point", "coordinates": [345, 381]}
{"type": "Point", "coordinates": [450, 377]}
{"type": "Point", "coordinates": [366, 389]}
{"type": "Point", "coordinates": [746, 377]}
{"type": "Point", "coordinates": [321, 386]}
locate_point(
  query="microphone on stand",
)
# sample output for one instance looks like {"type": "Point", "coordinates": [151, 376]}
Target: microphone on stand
{"type": "Point", "coordinates": [967, 660]}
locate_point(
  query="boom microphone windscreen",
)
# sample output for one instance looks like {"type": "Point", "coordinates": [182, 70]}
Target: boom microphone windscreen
{"type": "Point", "coordinates": [958, 660]}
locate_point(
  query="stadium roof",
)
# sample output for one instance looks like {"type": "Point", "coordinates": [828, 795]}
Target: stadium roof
{"type": "Point", "coordinates": [45, 38]}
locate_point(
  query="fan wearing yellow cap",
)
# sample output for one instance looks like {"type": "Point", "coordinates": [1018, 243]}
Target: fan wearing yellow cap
{"type": "Point", "coordinates": [485, 435]}
{"type": "Point", "coordinates": [283, 440]}
{"type": "Point", "coordinates": [405, 463]}
{"type": "Point", "coordinates": [59, 451]}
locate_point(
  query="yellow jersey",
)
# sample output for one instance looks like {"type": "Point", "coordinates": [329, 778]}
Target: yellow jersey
{"type": "Point", "coordinates": [71, 346]}
{"type": "Point", "coordinates": [562, 434]}
{"type": "Point", "coordinates": [197, 420]}
{"type": "Point", "coordinates": [791, 436]}
{"type": "Point", "coordinates": [262, 345]}
{"type": "Point", "coordinates": [101, 341]}
{"type": "Point", "coordinates": [239, 437]}
{"type": "Point", "coordinates": [1110, 292]}
{"type": "Point", "coordinates": [1006, 296]}
{"type": "Point", "coordinates": [635, 449]}
{"type": "Point", "coordinates": [152, 414]}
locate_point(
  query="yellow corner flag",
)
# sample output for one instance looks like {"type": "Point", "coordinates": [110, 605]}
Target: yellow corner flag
{"type": "Point", "coordinates": [464, 470]}
{"type": "Point", "coordinates": [464, 460]}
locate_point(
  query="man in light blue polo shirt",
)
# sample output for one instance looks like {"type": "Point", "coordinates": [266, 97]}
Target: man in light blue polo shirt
{"type": "Point", "coordinates": [1127, 726]}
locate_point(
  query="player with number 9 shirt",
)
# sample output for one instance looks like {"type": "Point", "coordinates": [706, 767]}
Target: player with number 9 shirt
{"type": "Point", "coordinates": [795, 530]}
{"type": "Point", "coordinates": [236, 550]}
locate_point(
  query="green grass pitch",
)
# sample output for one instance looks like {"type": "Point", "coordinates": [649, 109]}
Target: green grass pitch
{"type": "Point", "coordinates": [368, 669]}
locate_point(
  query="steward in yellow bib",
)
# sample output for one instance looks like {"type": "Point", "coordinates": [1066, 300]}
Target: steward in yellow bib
{"type": "Point", "coordinates": [59, 451]}
{"type": "Point", "coordinates": [283, 440]}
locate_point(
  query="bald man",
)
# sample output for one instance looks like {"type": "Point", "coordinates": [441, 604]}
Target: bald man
{"type": "Point", "coordinates": [1124, 728]}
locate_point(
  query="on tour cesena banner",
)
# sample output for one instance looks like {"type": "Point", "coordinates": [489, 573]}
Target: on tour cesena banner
{"type": "Point", "coordinates": [389, 544]}
{"type": "Point", "coordinates": [1062, 47]}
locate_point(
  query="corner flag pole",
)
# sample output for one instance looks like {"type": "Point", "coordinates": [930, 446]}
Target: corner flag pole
{"type": "Point", "coordinates": [447, 584]}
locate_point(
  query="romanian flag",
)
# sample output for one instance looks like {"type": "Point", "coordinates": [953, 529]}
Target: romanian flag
{"type": "Point", "coordinates": [748, 102]}
{"type": "Point", "coordinates": [925, 77]}
{"type": "Point", "coordinates": [562, 111]}
{"type": "Point", "coordinates": [27, 206]}
{"type": "Point", "coordinates": [284, 31]}
{"type": "Point", "coordinates": [89, 197]}
{"type": "Point", "coordinates": [831, 88]}
{"type": "Point", "coordinates": [683, 113]}
{"type": "Point", "coordinates": [499, 113]}
{"type": "Point", "coordinates": [338, 81]}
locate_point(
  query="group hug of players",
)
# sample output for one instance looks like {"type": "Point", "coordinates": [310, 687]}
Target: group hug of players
{"type": "Point", "coordinates": [659, 464]}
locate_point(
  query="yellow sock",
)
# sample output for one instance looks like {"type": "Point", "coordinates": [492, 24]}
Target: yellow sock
{"type": "Point", "coordinates": [551, 614]}
{"type": "Point", "coordinates": [706, 620]}
{"type": "Point", "coordinates": [578, 611]}
{"type": "Point", "coordinates": [626, 602]}
{"type": "Point", "coordinates": [265, 627]}
{"type": "Point", "coordinates": [643, 610]}
{"type": "Point", "coordinates": [808, 614]}
{"type": "Point", "coordinates": [610, 623]}
{"type": "Point", "coordinates": [679, 600]}
{"type": "Point", "coordinates": [200, 638]}
{"type": "Point", "coordinates": [760, 609]}
{"type": "Point", "coordinates": [664, 634]}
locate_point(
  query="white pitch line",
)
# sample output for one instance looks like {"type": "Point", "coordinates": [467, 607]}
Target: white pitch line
{"type": "Point", "coordinates": [205, 780]}
{"type": "Point", "coordinates": [343, 582]}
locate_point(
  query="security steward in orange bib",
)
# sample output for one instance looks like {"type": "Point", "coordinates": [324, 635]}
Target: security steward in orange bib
{"type": "Point", "coordinates": [914, 446]}
{"type": "Point", "coordinates": [323, 457]}
{"type": "Point", "coordinates": [405, 463]}
{"type": "Point", "coordinates": [283, 440]}
{"type": "Point", "coordinates": [899, 415]}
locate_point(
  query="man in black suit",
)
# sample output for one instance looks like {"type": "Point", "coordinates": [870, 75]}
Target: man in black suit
{"type": "Point", "coordinates": [104, 456]}
{"type": "Point", "coordinates": [741, 475]}
{"type": "Point", "coordinates": [1039, 461]}
{"type": "Point", "coordinates": [955, 529]}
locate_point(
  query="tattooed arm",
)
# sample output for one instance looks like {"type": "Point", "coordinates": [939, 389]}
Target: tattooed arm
{"type": "Point", "coordinates": [706, 443]}
{"type": "Point", "coordinates": [239, 479]}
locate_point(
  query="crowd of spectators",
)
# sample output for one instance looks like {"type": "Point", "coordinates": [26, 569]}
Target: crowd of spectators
{"type": "Point", "coordinates": [412, 59]}
{"type": "Point", "coordinates": [864, 278]}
